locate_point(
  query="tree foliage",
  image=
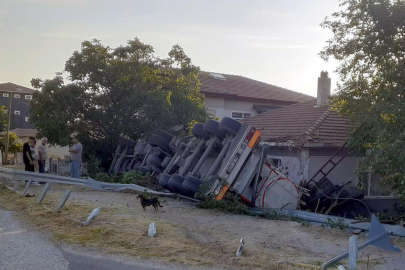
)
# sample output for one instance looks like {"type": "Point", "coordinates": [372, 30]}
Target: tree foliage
{"type": "Point", "coordinates": [369, 42]}
{"type": "Point", "coordinates": [3, 118]}
{"type": "Point", "coordinates": [124, 91]}
{"type": "Point", "coordinates": [13, 145]}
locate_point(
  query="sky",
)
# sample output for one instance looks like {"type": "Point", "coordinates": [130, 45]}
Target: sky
{"type": "Point", "coordinates": [274, 41]}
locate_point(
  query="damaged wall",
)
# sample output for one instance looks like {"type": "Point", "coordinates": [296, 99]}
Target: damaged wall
{"type": "Point", "coordinates": [303, 164]}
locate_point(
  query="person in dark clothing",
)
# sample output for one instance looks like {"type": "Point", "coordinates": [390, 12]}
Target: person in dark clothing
{"type": "Point", "coordinates": [27, 156]}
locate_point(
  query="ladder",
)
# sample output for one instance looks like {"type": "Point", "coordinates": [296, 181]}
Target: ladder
{"type": "Point", "coordinates": [330, 161]}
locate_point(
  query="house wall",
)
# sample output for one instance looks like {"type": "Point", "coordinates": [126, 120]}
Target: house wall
{"type": "Point", "coordinates": [18, 104]}
{"type": "Point", "coordinates": [303, 165]}
{"type": "Point", "coordinates": [345, 171]}
{"type": "Point", "coordinates": [224, 107]}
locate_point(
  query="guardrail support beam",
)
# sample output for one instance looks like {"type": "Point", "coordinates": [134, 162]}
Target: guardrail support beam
{"type": "Point", "coordinates": [43, 193]}
{"type": "Point", "coordinates": [62, 201]}
{"type": "Point", "coordinates": [26, 188]}
{"type": "Point", "coordinates": [92, 215]}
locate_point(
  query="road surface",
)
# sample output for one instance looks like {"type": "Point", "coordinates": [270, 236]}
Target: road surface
{"type": "Point", "coordinates": [24, 249]}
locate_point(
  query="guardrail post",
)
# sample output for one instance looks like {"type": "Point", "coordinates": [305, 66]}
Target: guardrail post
{"type": "Point", "coordinates": [2, 182]}
{"type": "Point", "coordinates": [26, 188]}
{"type": "Point", "coordinates": [353, 249]}
{"type": "Point", "coordinates": [92, 215]}
{"type": "Point", "coordinates": [62, 201]}
{"type": "Point", "coordinates": [43, 193]}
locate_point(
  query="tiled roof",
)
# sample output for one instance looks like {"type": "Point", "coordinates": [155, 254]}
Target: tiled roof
{"type": "Point", "coordinates": [23, 132]}
{"type": "Point", "coordinates": [11, 87]}
{"type": "Point", "coordinates": [238, 86]}
{"type": "Point", "coordinates": [302, 123]}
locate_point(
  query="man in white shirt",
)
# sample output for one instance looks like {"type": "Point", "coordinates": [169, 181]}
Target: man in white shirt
{"type": "Point", "coordinates": [76, 157]}
{"type": "Point", "coordinates": [42, 155]}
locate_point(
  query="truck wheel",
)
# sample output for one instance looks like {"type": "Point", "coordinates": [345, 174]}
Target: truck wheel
{"type": "Point", "coordinates": [191, 185]}
{"type": "Point", "coordinates": [157, 141]}
{"type": "Point", "coordinates": [198, 132]}
{"type": "Point", "coordinates": [163, 181]}
{"type": "Point", "coordinates": [229, 125]}
{"type": "Point", "coordinates": [175, 184]}
{"type": "Point", "coordinates": [212, 127]}
{"type": "Point", "coordinates": [163, 134]}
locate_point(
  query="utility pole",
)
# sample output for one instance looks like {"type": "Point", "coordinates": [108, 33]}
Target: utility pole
{"type": "Point", "coordinates": [7, 132]}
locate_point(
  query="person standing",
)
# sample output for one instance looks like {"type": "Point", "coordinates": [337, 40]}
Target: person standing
{"type": "Point", "coordinates": [42, 155]}
{"type": "Point", "coordinates": [76, 157]}
{"type": "Point", "coordinates": [27, 155]}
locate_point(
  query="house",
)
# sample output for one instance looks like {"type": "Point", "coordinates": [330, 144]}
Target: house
{"type": "Point", "coordinates": [240, 97]}
{"type": "Point", "coordinates": [304, 136]}
{"type": "Point", "coordinates": [20, 98]}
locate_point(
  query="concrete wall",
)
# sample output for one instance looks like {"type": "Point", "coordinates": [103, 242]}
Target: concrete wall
{"type": "Point", "coordinates": [302, 165]}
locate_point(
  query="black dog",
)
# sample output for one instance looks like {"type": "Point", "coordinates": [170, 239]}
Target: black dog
{"type": "Point", "coordinates": [146, 202]}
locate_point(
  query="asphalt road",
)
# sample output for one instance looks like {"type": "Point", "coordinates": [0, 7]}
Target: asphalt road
{"type": "Point", "coordinates": [23, 249]}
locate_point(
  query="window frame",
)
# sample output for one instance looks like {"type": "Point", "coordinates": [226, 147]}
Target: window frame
{"type": "Point", "coordinates": [15, 113]}
{"type": "Point", "coordinates": [276, 157]}
{"type": "Point", "coordinates": [29, 97]}
{"type": "Point", "coordinates": [243, 114]}
{"type": "Point", "coordinates": [6, 95]}
{"type": "Point", "coordinates": [16, 95]}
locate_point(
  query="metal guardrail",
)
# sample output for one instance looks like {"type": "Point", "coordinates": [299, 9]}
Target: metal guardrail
{"type": "Point", "coordinates": [395, 230]}
{"type": "Point", "coordinates": [19, 176]}
{"type": "Point", "coordinates": [30, 177]}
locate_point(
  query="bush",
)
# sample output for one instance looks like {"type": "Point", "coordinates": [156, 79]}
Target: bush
{"type": "Point", "coordinates": [105, 177]}
{"type": "Point", "coordinates": [93, 167]}
{"type": "Point", "coordinates": [138, 178]}
{"type": "Point", "coordinates": [230, 203]}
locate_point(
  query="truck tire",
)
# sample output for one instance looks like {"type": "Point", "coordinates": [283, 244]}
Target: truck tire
{"type": "Point", "coordinates": [198, 132]}
{"type": "Point", "coordinates": [175, 184]}
{"type": "Point", "coordinates": [163, 181]}
{"type": "Point", "coordinates": [229, 125]}
{"type": "Point", "coordinates": [191, 185]}
{"type": "Point", "coordinates": [163, 134]}
{"type": "Point", "coordinates": [212, 127]}
{"type": "Point", "coordinates": [157, 141]}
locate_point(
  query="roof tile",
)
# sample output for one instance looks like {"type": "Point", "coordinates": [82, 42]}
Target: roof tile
{"type": "Point", "coordinates": [301, 123]}
{"type": "Point", "coordinates": [239, 86]}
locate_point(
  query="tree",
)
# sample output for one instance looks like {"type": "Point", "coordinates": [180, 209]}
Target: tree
{"type": "Point", "coordinates": [369, 42]}
{"type": "Point", "coordinates": [13, 146]}
{"type": "Point", "coordinates": [3, 118]}
{"type": "Point", "coordinates": [126, 91]}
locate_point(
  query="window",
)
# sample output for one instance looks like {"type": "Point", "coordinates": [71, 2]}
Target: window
{"type": "Point", "coordinates": [372, 186]}
{"type": "Point", "coordinates": [241, 115]}
{"type": "Point", "coordinates": [27, 119]}
{"type": "Point", "coordinates": [28, 97]}
{"type": "Point", "coordinates": [16, 95]}
{"type": "Point", "coordinates": [6, 95]}
{"type": "Point", "coordinates": [17, 112]}
{"type": "Point", "coordinates": [275, 160]}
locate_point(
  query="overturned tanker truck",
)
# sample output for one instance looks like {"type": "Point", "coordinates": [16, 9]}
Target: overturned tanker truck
{"type": "Point", "coordinates": [225, 156]}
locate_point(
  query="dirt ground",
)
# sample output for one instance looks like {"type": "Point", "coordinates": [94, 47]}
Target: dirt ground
{"type": "Point", "coordinates": [186, 235]}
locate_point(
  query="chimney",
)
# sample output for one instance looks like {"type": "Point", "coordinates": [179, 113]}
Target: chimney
{"type": "Point", "coordinates": [324, 83]}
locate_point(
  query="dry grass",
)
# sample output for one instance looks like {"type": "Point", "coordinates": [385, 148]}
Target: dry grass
{"type": "Point", "coordinates": [115, 231]}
